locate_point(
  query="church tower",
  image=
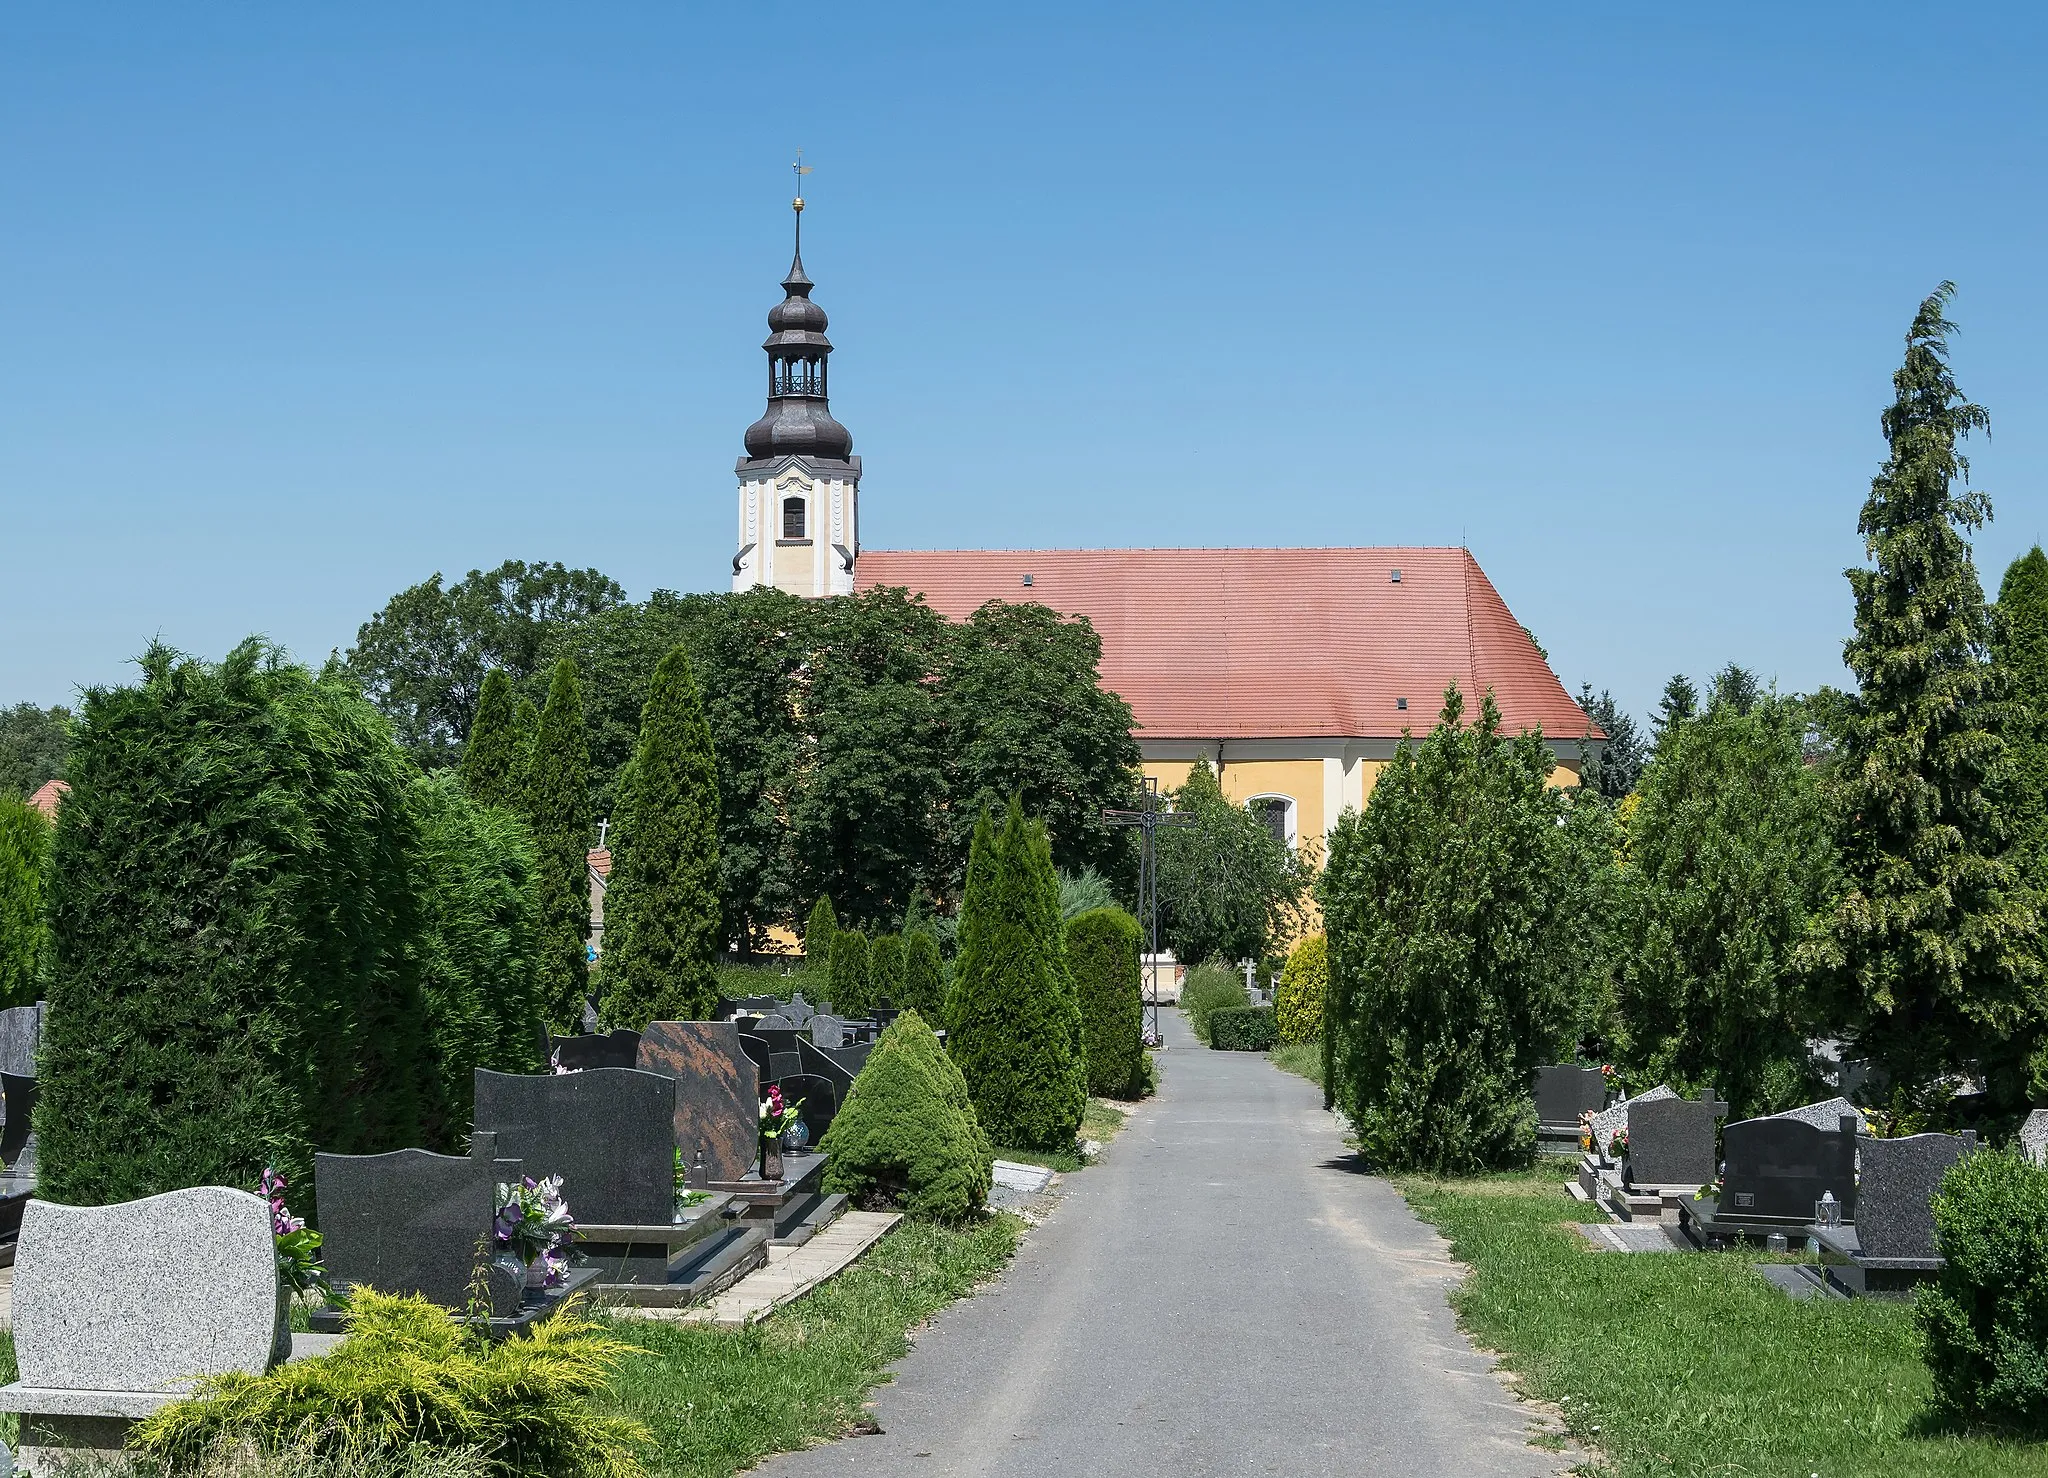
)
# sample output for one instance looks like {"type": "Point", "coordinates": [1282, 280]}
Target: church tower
{"type": "Point", "coordinates": [799, 527]}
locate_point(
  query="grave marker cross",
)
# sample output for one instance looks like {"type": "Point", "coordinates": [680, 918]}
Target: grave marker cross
{"type": "Point", "coordinates": [1148, 818]}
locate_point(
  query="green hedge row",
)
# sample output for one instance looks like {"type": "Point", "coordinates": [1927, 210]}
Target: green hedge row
{"type": "Point", "coordinates": [1244, 1029]}
{"type": "Point", "coordinates": [1102, 953]}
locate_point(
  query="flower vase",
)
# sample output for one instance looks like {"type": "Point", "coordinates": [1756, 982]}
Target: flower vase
{"type": "Point", "coordinates": [537, 1274]}
{"type": "Point", "coordinates": [281, 1334]}
{"type": "Point", "coordinates": [771, 1159]}
{"type": "Point", "coordinates": [508, 1279]}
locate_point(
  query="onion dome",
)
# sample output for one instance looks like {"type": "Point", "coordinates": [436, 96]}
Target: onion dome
{"type": "Point", "coordinates": [798, 422]}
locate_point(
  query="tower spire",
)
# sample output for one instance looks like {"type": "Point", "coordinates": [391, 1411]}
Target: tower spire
{"type": "Point", "coordinates": [797, 205]}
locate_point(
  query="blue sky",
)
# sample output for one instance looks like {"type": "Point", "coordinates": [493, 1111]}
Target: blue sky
{"type": "Point", "coordinates": [297, 308]}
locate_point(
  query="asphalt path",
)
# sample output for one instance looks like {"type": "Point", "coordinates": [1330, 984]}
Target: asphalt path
{"type": "Point", "coordinates": [1224, 1292]}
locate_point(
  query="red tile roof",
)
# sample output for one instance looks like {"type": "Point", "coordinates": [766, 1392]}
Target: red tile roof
{"type": "Point", "coordinates": [1268, 643]}
{"type": "Point", "coordinates": [600, 860]}
{"type": "Point", "coordinates": [45, 799]}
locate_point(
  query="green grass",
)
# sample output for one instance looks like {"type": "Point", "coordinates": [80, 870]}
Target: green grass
{"type": "Point", "coordinates": [1690, 1364]}
{"type": "Point", "coordinates": [718, 1400]}
{"type": "Point", "coordinates": [1100, 1120]}
{"type": "Point", "coordinates": [1303, 1059]}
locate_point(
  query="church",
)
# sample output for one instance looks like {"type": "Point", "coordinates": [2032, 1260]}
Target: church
{"type": "Point", "coordinates": [1294, 672]}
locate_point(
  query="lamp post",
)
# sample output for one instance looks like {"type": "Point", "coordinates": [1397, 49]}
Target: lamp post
{"type": "Point", "coordinates": [1148, 818]}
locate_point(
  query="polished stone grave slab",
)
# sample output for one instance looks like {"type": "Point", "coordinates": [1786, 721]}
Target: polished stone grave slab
{"type": "Point", "coordinates": [1775, 1170]}
{"type": "Point", "coordinates": [1891, 1248]}
{"type": "Point", "coordinates": [1565, 1092]}
{"type": "Point", "coordinates": [718, 1091]}
{"type": "Point", "coordinates": [609, 1132]}
{"type": "Point", "coordinates": [1671, 1141]}
{"type": "Point", "coordinates": [591, 1049]}
{"type": "Point", "coordinates": [412, 1221]}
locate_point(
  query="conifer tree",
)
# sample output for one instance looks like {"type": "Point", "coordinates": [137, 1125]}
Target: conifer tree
{"type": "Point", "coordinates": [818, 933]}
{"type": "Point", "coordinates": [885, 970]}
{"type": "Point", "coordinates": [662, 936]}
{"type": "Point", "coordinates": [924, 976]}
{"type": "Point", "coordinates": [2020, 646]}
{"type": "Point", "coordinates": [491, 760]}
{"type": "Point", "coordinates": [525, 730]}
{"type": "Point", "coordinates": [853, 992]}
{"type": "Point", "coordinates": [558, 807]}
{"type": "Point", "coordinates": [1933, 951]}
{"type": "Point", "coordinates": [24, 878]}
{"type": "Point", "coordinates": [1102, 953]}
{"type": "Point", "coordinates": [1680, 702]}
{"type": "Point", "coordinates": [981, 850]}
{"type": "Point", "coordinates": [1017, 1027]}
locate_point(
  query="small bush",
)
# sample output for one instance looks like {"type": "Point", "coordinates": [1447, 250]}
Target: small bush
{"type": "Point", "coordinates": [1986, 1320]}
{"type": "Point", "coordinates": [1243, 1029]}
{"type": "Point", "coordinates": [1102, 953]}
{"type": "Point", "coordinates": [1210, 987]}
{"type": "Point", "coordinates": [410, 1376]}
{"type": "Point", "coordinates": [907, 1135]}
{"type": "Point", "coordinates": [1298, 1002]}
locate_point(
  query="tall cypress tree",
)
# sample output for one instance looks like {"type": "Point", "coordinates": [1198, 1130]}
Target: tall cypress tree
{"type": "Point", "coordinates": [924, 976]}
{"type": "Point", "coordinates": [662, 934]}
{"type": "Point", "coordinates": [1933, 948]}
{"type": "Point", "coordinates": [24, 886]}
{"type": "Point", "coordinates": [981, 850]}
{"type": "Point", "coordinates": [525, 729]}
{"type": "Point", "coordinates": [1018, 1029]}
{"type": "Point", "coordinates": [2020, 646]}
{"type": "Point", "coordinates": [491, 761]}
{"type": "Point", "coordinates": [853, 992]}
{"type": "Point", "coordinates": [885, 969]}
{"type": "Point", "coordinates": [818, 932]}
{"type": "Point", "coordinates": [558, 805]}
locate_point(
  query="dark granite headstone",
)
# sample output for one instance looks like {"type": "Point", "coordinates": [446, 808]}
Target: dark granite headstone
{"type": "Point", "coordinates": [800, 1011]}
{"type": "Point", "coordinates": [17, 1140]}
{"type": "Point", "coordinates": [1564, 1093]}
{"type": "Point", "coordinates": [818, 1063]}
{"type": "Point", "coordinates": [827, 1031]}
{"type": "Point", "coordinates": [757, 1049]}
{"type": "Point", "coordinates": [782, 1065]}
{"type": "Point", "coordinates": [819, 1100]}
{"type": "Point", "coordinates": [1671, 1140]}
{"type": "Point", "coordinates": [609, 1132]}
{"type": "Point", "coordinates": [852, 1058]}
{"type": "Point", "coordinates": [718, 1090]}
{"type": "Point", "coordinates": [613, 1049]}
{"type": "Point", "coordinates": [1778, 1169]}
{"type": "Point", "coordinates": [410, 1222]}
{"type": "Point", "coordinates": [779, 1038]}
{"type": "Point", "coordinates": [1895, 1192]}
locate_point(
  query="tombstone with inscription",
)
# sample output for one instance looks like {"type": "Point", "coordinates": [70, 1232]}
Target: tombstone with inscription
{"type": "Point", "coordinates": [1891, 1248]}
{"type": "Point", "coordinates": [827, 1031]}
{"type": "Point", "coordinates": [1775, 1172]}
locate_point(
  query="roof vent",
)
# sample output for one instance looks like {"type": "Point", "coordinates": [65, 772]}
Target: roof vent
{"type": "Point", "coordinates": [1395, 578]}
{"type": "Point", "coordinates": [1402, 704]}
{"type": "Point", "coordinates": [1027, 579]}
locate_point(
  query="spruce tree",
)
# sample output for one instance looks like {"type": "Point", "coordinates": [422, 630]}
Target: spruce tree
{"type": "Point", "coordinates": [818, 934]}
{"type": "Point", "coordinates": [885, 970]}
{"type": "Point", "coordinates": [1933, 955]}
{"type": "Point", "coordinates": [2020, 646]}
{"type": "Point", "coordinates": [662, 935]}
{"type": "Point", "coordinates": [558, 807]}
{"type": "Point", "coordinates": [924, 976]}
{"type": "Point", "coordinates": [1016, 1033]}
{"type": "Point", "coordinates": [1680, 702]}
{"type": "Point", "coordinates": [853, 992]}
{"type": "Point", "coordinates": [24, 886]}
{"type": "Point", "coordinates": [491, 760]}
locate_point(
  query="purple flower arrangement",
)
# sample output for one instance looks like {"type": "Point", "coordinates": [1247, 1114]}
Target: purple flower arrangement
{"type": "Point", "coordinates": [298, 1245]}
{"type": "Point", "coordinates": [534, 1222]}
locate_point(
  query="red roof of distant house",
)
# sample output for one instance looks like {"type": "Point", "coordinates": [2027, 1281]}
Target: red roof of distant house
{"type": "Point", "coordinates": [600, 860]}
{"type": "Point", "coordinates": [45, 799]}
{"type": "Point", "coordinates": [1268, 643]}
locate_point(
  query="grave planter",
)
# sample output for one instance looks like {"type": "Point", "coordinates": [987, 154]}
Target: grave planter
{"type": "Point", "coordinates": [281, 1334]}
{"type": "Point", "coordinates": [771, 1160]}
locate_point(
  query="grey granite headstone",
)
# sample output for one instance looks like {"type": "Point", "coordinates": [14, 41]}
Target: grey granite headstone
{"type": "Point", "coordinates": [1895, 1192]}
{"type": "Point", "coordinates": [800, 1010]}
{"type": "Point", "coordinates": [827, 1031]}
{"type": "Point", "coordinates": [775, 1021]}
{"type": "Point", "coordinates": [1778, 1167]}
{"type": "Point", "coordinates": [2034, 1137]}
{"type": "Point", "coordinates": [1564, 1093]}
{"type": "Point", "coordinates": [1826, 1114]}
{"type": "Point", "coordinates": [1671, 1140]}
{"type": "Point", "coordinates": [21, 1033]}
{"type": "Point", "coordinates": [145, 1295]}
{"type": "Point", "coordinates": [1611, 1120]}
{"type": "Point", "coordinates": [410, 1222]}
{"type": "Point", "coordinates": [718, 1091]}
{"type": "Point", "coordinates": [609, 1132]}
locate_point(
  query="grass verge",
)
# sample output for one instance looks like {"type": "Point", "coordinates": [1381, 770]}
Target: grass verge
{"type": "Point", "coordinates": [1690, 1364]}
{"type": "Point", "coordinates": [719, 1400]}
{"type": "Point", "coordinates": [1100, 1121]}
{"type": "Point", "coordinates": [1303, 1059]}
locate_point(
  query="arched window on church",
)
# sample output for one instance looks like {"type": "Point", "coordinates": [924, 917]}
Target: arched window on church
{"type": "Point", "coordinates": [1278, 813]}
{"type": "Point", "coordinates": [793, 518]}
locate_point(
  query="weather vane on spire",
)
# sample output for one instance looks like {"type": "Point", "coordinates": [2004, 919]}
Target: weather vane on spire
{"type": "Point", "coordinates": [801, 169]}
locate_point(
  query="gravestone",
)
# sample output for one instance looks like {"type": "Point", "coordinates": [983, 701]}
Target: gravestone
{"type": "Point", "coordinates": [1778, 1168]}
{"type": "Point", "coordinates": [818, 1100]}
{"type": "Point", "coordinates": [609, 1132]}
{"type": "Point", "coordinates": [800, 1011]}
{"type": "Point", "coordinates": [827, 1031]}
{"type": "Point", "coordinates": [775, 1021]}
{"type": "Point", "coordinates": [718, 1091]}
{"type": "Point", "coordinates": [146, 1295]}
{"type": "Point", "coordinates": [1895, 1192]}
{"type": "Point", "coordinates": [17, 1136]}
{"type": "Point", "coordinates": [818, 1063]}
{"type": "Point", "coordinates": [779, 1038]}
{"type": "Point", "coordinates": [1611, 1120]}
{"type": "Point", "coordinates": [21, 1034]}
{"type": "Point", "coordinates": [410, 1222]}
{"type": "Point", "coordinates": [1826, 1114]}
{"type": "Point", "coordinates": [1564, 1093]}
{"type": "Point", "coordinates": [612, 1049]}
{"type": "Point", "coordinates": [757, 1049]}
{"type": "Point", "coordinates": [782, 1065]}
{"type": "Point", "coordinates": [1671, 1140]}
{"type": "Point", "coordinates": [2034, 1137]}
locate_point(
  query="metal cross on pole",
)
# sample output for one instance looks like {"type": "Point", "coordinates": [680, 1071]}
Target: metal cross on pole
{"type": "Point", "coordinates": [1148, 818]}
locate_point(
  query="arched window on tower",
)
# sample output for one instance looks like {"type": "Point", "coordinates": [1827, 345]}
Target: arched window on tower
{"type": "Point", "coordinates": [793, 518]}
{"type": "Point", "coordinates": [1277, 811]}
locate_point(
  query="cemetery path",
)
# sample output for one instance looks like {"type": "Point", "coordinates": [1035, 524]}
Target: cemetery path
{"type": "Point", "coordinates": [1223, 1293]}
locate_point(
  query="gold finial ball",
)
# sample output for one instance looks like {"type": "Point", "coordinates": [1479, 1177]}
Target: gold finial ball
{"type": "Point", "coordinates": [799, 204]}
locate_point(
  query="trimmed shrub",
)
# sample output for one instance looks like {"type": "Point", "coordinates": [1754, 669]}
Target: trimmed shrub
{"type": "Point", "coordinates": [24, 885]}
{"type": "Point", "coordinates": [558, 807]}
{"type": "Point", "coordinates": [1298, 1001]}
{"type": "Point", "coordinates": [231, 921]}
{"type": "Point", "coordinates": [409, 1376]}
{"type": "Point", "coordinates": [662, 936]}
{"type": "Point", "coordinates": [476, 953]}
{"type": "Point", "coordinates": [853, 992]}
{"type": "Point", "coordinates": [924, 977]}
{"type": "Point", "coordinates": [886, 964]}
{"type": "Point", "coordinates": [1210, 987]}
{"type": "Point", "coordinates": [1986, 1319]}
{"type": "Point", "coordinates": [1243, 1029]}
{"type": "Point", "coordinates": [1016, 1029]}
{"type": "Point", "coordinates": [907, 1135]}
{"type": "Point", "coordinates": [1102, 953]}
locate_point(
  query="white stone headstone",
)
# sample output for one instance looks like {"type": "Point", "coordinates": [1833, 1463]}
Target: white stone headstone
{"type": "Point", "coordinates": [147, 1295]}
{"type": "Point", "coordinates": [2034, 1137]}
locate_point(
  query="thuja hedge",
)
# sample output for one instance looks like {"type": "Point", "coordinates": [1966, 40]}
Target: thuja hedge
{"type": "Point", "coordinates": [1243, 1029]}
{"type": "Point", "coordinates": [1102, 953]}
{"type": "Point", "coordinates": [24, 873]}
{"type": "Point", "coordinates": [268, 936]}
